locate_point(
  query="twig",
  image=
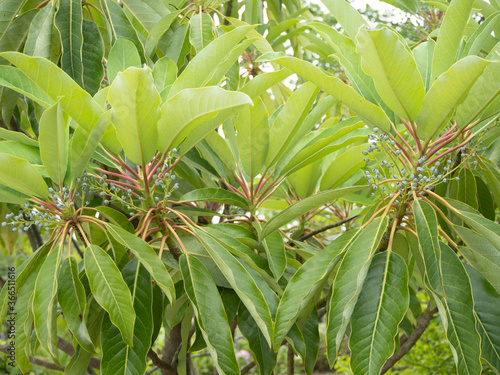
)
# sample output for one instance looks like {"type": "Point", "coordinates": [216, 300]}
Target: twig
{"type": "Point", "coordinates": [334, 225]}
{"type": "Point", "coordinates": [157, 361]}
{"type": "Point", "coordinates": [248, 367]}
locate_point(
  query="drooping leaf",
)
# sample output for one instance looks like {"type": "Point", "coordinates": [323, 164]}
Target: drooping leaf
{"type": "Point", "coordinates": [311, 335]}
{"type": "Point", "coordinates": [54, 141]}
{"type": "Point", "coordinates": [457, 313]}
{"type": "Point", "coordinates": [381, 306]}
{"type": "Point", "coordinates": [147, 256]}
{"type": "Point", "coordinates": [348, 282]}
{"type": "Point", "coordinates": [487, 308]}
{"type": "Point", "coordinates": [123, 55]}
{"type": "Point", "coordinates": [72, 299]}
{"type": "Point", "coordinates": [241, 281]}
{"type": "Point", "coordinates": [297, 209]}
{"type": "Point", "coordinates": [117, 356]}
{"type": "Point", "coordinates": [45, 303]}
{"type": "Point", "coordinates": [110, 291]}
{"type": "Point", "coordinates": [305, 282]}
{"type": "Point", "coordinates": [210, 314]}
{"type": "Point", "coordinates": [135, 113]}
{"type": "Point", "coordinates": [393, 70]}
{"type": "Point", "coordinates": [20, 176]}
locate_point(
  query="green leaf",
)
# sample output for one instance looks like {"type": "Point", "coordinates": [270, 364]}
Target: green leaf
{"type": "Point", "coordinates": [484, 91]}
{"type": "Point", "coordinates": [370, 113]}
{"type": "Point", "coordinates": [450, 35]}
{"type": "Point", "coordinates": [72, 299]}
{"type": "Point", "coordinates": [311, 340]}
{"type": "Point", "coordinates": [241, 281]}
{"type": "Point", "coordinates": [9, 9]}
{"type": "Point", "coordinates": [492, 176]}
{"type": "Point", "coordinates": [394, 71]}
{"type": "Point", "coordinates": [215, 195]}
{"type": "Point", "coordinates": [286, 128]}
{"type": "Point", "coordinates": [205, 64]}
{"type": "Point", "coordinates": [446, 93]}
{"type": "Point", "coordinates": [116, 217]}
{"type": "Point", "coordinates": [13, 38]}
{"type": "Point", "coordinates": [423, 57]}
{"type": "Point", "coordinates": [164, 73]}
{"type": "Point", "coordinates": [117, 356]}
{"type": "Point", "coordinates": [147, 12]}
{"type": "Point", "coordinates": [487, 308]}
{"type": "Point", "coordinates": [343, 167]}
{"type": "Point", "coordinates": [481, 255]}
{"type": "Point", "coordinates": [93, 53]}
{"type": "Point", "coordinates": [110, 291]}
{"type": "Point", "coordinates": [147, 256]}
{"type": "Point", "coordinates": [83, 145]}
{"type": "Point", "coordinates": [24, 318]}
{"type": "Point", "coordinates": [457, 313]}
{"type": "Point", "coordinates": [123, 55]}
{"type": "Point", "coordinates": [381, 306]}
{"type": "Point", "coordinates": [198, 105]}
{"type": "Point", "coordinates": [346, 15]}
{"type": "Point", "coordinates": [261, 351]}
{"type": "Point", "coordinates": [54, 141]}
{"type": "Point", "coordinates": [39, 39]}
{"type": "Point", "coordinates": [42, 76]}
{"type": "Point", "coordinates": [20, 175]}
{"type": "Point", "coordinates": [486, 228]}
{"type": "Point", "coordinates": [200, 31]}
{"type": "Point", "coordinates": [17, 137]}
{"type": "Point", "coordinates": [45, 303]}
{"type": "Point", "coordinates": [427, 230]}
{"type": "Point", "coordinates": [158, 31]}
{"type": "Point", "coordinates": [297, 209]}
{"type": "Point", "coordinates": [304, 284]}
{"type": "Point", "coordinates": [276, 255]}
{"type": "Point", "coordinates": [478, 40]}
{"type": "Point", "coordinates": [253, 137]}
{"type": "Point", "coordinates": [210, 314]}
{"type": "Point", "coordinates": [348, 282]}
{"type": "Point", "coordinates": [79, 363]}
{"type": "Point", "coordinates": [135, 113]}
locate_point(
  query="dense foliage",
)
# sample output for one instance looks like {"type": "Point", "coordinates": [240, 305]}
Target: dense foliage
{"type": "Point", "coordinates": [176, 194]}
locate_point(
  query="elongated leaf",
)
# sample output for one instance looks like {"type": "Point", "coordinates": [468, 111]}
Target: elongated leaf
{"type": "Point", "coordinates": [457, 313]}
{"type": "Point", "coordinates": [93, 53]}
{"type": "Point", "coordinates": [450, 35]}
{"type": "Point", "coordinates": [79, 363]}
{"type": "Point", "coordinates": [275, 251]}
{"type": "Point", "coordinates": [199, 105]}
{"type": "Point", "coordinates": [110, 291]}
{"type": "Point", "coordinates": [261, 351]}
{"type": "Point", "coordinates": [492, 178]}
{"type": "Point", "coordinates": [446, 93]}
{"type": "Point", "coordinates": [381, 306]}
{"type": "Point", "coordinates": [14, 37]}
{"type": "Point", "coordinates": [17, 137]}
{"type": "Point", "coordinates": [297, 209]}
{"type": "Point", "coordinates": [346, 15]}
{"type": "Point", "coordinates": [204, 65]}
{"type": "Point", "coordinates": [45, 303]}
{"type": "Point", "coordinates": [19, 175]}
{"type": "Point", "coordinates": [427, 230]}
{"type": "Point", "coordinates": [72, 299]}
{"type": "Point", "coordinates": [310, 332]}
{"type": "Point", "coordinates": [423, 57]}
{"type": "Point", "coordinates": [123, 55]}
{"type": "Point", "coordinates": [53, 140]}
{"type": "Point", "coordinates": [253, 137]}
{"type": "Point", "coordinates": [42, 76]}
{"type": "Point", "coordinates": [117, 356]}
{"type": "Point", "coordinates": [301, 288]}
{"type": "Point", "coordinates": [164, 73]}
{"type": "Point", "coordinates": [343, 167]}
{"type": "Point", "coordinates": [9, 9]}
{"type": "Point", "coordinates": [24, 317]}
{"type": "Point", "coordinates": [39, 39]}
{"type": "Point", "coordinates": [241, 281]}
{"type": "Point", "coordinates": [147, 256]}
{"type": "Point", "coordinates": [200, 31]}
{"type": "Point", "coordinates": [367, 111]}
{"type": "Point", "coordinates": [486, 228]}
{"type": "Point", "coordinates": [394, 71]}
{"type": "Point", "coordinates": [158, 31]}
{"type": "Point", "coordinates": [348, 283]}
{"type": "Point", "coordinates": [215, 195]}
{"type": "Point", "coordinates": [135, 113]}
{"type": "Point", "coordinates": [83, 145]}
{"type": "Point", "coordinates": [147, 12]}
{"type": "Point", "coordinates": [487, 308]}
{"type": "Point", "coordinates": [210, 314]}
{"type": "Point", "coordinates": [485, 90]}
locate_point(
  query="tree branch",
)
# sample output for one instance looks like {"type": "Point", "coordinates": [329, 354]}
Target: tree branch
{"type": "Point", "coordinates": [407, 343]}
{"type": "Point", "coordinates": [334, 225]}
{"type": "Point", "coordinates": [248, 367]}
{"type": "Point", "coordinates": [35, 361]}
{"type": "Point", "coordinates": [158, 362]}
